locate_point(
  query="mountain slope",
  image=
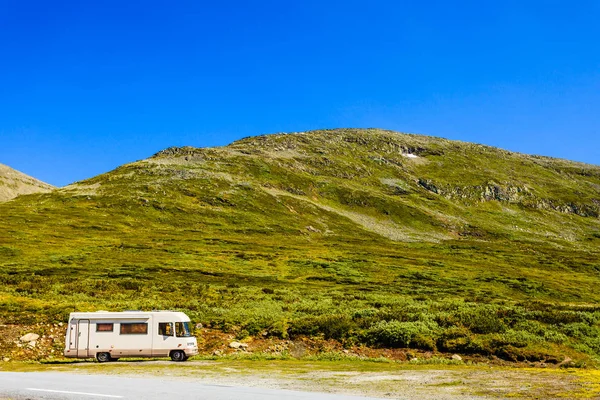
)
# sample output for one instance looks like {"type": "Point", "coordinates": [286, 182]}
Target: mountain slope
{"type": "Point", "coordinates": [14, 183]}
{"type": "Point", "coordinates": [366, 236]}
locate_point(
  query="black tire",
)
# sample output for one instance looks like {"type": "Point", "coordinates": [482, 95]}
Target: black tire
{"type": "Point", "coordinates": [103, 357]}
{"type": "Point", "coordinates": [178, 356]}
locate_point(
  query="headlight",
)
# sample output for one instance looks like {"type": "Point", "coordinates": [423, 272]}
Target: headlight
{"type": "Point", "coordinates": [191, 344]}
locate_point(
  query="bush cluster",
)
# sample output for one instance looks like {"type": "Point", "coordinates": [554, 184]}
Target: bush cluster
{"type": "Point", "coordinates": [513, 331]}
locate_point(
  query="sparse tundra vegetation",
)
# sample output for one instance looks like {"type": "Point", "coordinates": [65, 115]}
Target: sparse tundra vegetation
{"type": "Point", "coordinates": [367, 237]}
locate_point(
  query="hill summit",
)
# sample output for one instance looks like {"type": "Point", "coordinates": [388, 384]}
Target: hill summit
{"type": "Point", "coordinates": [358, 235]}
{"type": "Point", "coordinates": [399, 186]}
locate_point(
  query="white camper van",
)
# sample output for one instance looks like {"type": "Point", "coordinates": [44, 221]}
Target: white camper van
{"type": "Point", "coordinates": [111, 335]}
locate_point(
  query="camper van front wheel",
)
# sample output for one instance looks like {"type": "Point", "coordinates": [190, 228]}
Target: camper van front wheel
{"type": "Point", "coordinates": [103, 357]}
{"type": "Point", "coordinates": [178, 355]}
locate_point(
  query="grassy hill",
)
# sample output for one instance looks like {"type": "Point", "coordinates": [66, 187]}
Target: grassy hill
{"type": "Point", "coordinates": [14, 183]}
{"type": "Point", "coordinates": [363, 236]}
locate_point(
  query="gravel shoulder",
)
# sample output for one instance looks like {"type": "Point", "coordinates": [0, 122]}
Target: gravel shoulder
{"type": "Point", "coordinates": [383, 380]}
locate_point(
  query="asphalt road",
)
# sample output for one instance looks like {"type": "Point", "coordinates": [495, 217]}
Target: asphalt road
{"type": "Point", "coordinates": [58, 385]}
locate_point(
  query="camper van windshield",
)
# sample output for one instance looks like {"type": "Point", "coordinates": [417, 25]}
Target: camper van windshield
{"type": "Point", "coordinates": [182, 329]}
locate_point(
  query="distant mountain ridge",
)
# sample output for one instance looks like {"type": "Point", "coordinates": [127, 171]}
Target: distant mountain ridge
{"type": "Point", "coordinates": [14, 183]}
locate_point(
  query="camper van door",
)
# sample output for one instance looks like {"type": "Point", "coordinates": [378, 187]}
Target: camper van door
{"type": "Point", "coordinates": [83, 337]}
{"type": "Point", "coordinates": [164, 339]}
{"type": "Point", "coordinates": [73, 335]}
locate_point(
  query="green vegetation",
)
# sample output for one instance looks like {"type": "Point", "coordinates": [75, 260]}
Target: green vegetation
{"type": "Point", "coordinates": [362, 236]}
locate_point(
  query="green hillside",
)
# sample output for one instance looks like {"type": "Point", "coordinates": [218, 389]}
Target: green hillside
{"type": "Point", "coordinates": [364, 236]}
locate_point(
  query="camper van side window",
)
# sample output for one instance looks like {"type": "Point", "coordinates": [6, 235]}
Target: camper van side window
{"type": "Point", "coordinates": [134, 328]}
{"type": "Point", "coordinates": [103, 327]}
{"type": "Point", "coordinates": [182, 329]}
{"type": "Point", "coordinates": [165, 328]}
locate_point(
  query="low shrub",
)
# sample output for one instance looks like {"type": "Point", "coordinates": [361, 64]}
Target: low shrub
{"type": "Point", "coordinates": [579, 330]}
{"type": "Point", "coordinates": [454, 339]}
{"type": "Point", "coordinates": [417, 334]}
{"type": "Point", "coordinates": [482, 319]}
{"type": "Point", "coordinates": [518, 338]}
{"type": "Point", "coordinates": [561, 317]}
{"type": "Point", "coordinates": [338, 326]}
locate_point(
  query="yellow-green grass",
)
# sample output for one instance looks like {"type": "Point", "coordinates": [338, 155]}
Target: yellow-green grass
{"type": "Point", "coordinates": [465, 248]}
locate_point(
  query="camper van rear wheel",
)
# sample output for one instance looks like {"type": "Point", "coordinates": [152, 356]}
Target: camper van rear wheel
{"type": "Point", "coordinates": [103, 357]}
{"type": "Point", "coordinates": [178, 355]}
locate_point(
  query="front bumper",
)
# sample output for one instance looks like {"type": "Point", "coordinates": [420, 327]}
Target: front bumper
{"type": "Point", "coordinates": [191, 351]}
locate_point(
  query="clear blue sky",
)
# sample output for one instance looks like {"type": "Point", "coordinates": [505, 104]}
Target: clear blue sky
{"type": "Point", "coordinates": [86, 86]}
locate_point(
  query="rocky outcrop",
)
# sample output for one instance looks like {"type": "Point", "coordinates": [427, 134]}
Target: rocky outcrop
{"type": "Point", "coordinates": [510, 193]}
{"type": "Point", "coordinates": [178, 151]}
{"type": "Point", "coordinates": [238, 345]}
{"type": "Point", "coordinates": [30, 337]}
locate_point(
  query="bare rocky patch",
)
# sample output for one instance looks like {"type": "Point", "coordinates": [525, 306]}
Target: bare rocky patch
{"type": "Point", "coordinates": [14, 183]}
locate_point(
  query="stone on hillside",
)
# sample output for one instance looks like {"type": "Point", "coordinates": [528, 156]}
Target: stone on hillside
{"type": "Point", "coordinates": [6, 359]}
{"type": "Point", "coordinates": [32, 344]}
{"type": "Point", "coordinates": [456, 357]}
{"type": "Point", "coordinates": [238, 345]}
{"type": "Point", "coordinates": [566, 362]}
{"type": "Point", "coordinates": [30, 337]}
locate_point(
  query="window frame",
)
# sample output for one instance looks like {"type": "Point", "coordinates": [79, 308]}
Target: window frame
{"type": "Point", "coordinates": [186, 328]}
{"type": "Point", "coordinates": [112, 326]}
{"type": "Point", "coordinates": [172, 329]}
{"type": "Point", "coordinates": [122, 324]}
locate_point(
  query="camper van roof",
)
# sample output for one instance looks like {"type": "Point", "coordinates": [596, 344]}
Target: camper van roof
{"type": "Point", "coordinates": [128, 315]}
